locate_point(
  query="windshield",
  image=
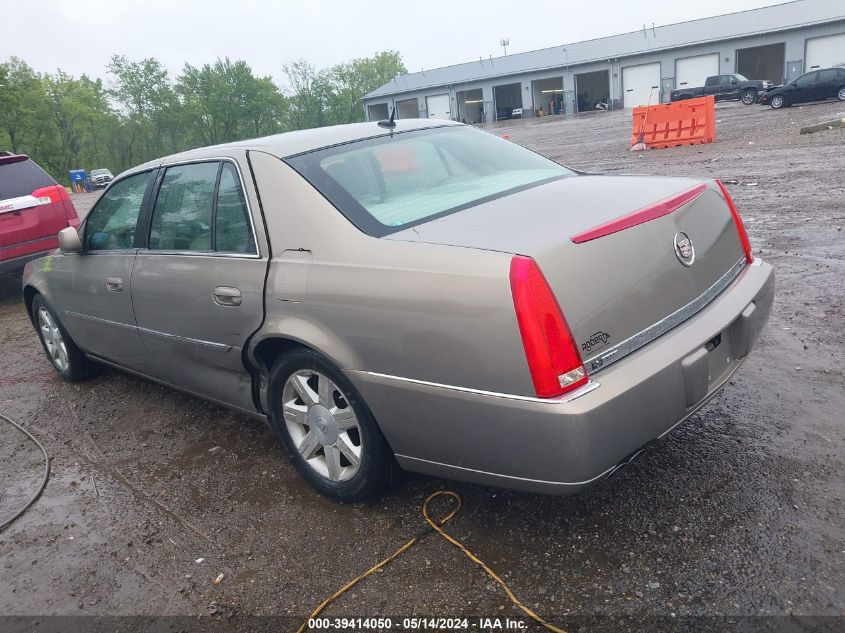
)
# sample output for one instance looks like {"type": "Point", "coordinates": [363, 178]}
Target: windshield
{"type": "Point", "coordinates": [386, 184]}
{"type": "Point", "coordinates": [740, 77]}
{"type": "Point", "coordinates": [100, 172]}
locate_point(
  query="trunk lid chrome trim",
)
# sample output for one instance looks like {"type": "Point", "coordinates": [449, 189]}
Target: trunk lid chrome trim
{"type": "Point", "coordinates": [619, 351]}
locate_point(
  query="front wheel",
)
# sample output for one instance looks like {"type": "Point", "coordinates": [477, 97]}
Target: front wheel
{"type": "Point", "coordinates": [777, 102]}
{"type": "Point", "coordinates": [326, 428]}
{"type": "Point", "coordinates": [62, 352]}
{"type": "Point", "coordinates": [841, 94]}
{"type": "Point", "coordinates": [749, 97]}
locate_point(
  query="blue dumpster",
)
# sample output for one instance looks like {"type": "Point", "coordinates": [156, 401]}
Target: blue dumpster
{"type": "Point", "coordinates": [79, 180]}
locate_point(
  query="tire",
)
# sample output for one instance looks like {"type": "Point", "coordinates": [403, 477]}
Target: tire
{"type": "Point", "coordinates": [840, 94]}
{"type": "Point", "coordinates": [749, 97]}
{"type": "Point", "coordinates": [65, 357]}
{"type": "Point", "coordinates": [326, 428]}
{"type": "Point", "coordinates": [777, 102]}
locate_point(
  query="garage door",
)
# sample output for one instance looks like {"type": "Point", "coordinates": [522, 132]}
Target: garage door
{"type": "Point", "coordinates": [407, 109]}
{"type": "Point", "coordinates": [690, 72]}
{"type": "Point", "coordinates": [438, 107]}
{"type": "Point", "coordinates": [377, 112]}
{"type": "Point", "coordinates": [824, 52]}
{"type": "Point", "coordinates": [638, 82]}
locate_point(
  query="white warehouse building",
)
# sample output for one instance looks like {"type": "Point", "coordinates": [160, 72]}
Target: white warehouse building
{"type": "Point", "coordinates": [776, 43]}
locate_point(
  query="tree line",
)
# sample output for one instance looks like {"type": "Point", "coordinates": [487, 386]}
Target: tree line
{"type": "Point", "coordinates": [139, 112]}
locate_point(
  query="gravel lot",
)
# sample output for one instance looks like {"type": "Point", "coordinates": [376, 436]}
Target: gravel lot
{"type": "Point", "coordinates": [738, 513]}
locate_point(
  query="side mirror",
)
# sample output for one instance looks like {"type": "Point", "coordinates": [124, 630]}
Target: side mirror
{"type": "Point", "coordinates": [69, 241]}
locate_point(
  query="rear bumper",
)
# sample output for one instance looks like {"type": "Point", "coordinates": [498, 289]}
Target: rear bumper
{"type": "Point", "coordinates": [562, 446]}
{"type": "Point", "coordinates": [16, 264]}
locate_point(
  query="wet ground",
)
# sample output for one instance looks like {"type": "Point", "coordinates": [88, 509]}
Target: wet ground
{"type": "Point", "coordinates": [154, 494]}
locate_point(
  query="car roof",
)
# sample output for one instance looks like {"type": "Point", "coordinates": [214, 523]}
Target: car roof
{"type": "Point", "coordinates": [298, 142]}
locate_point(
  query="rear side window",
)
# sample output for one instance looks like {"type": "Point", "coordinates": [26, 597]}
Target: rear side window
{"type": "Point", "coordinates": [388, 183]}
{"type": "Point", "coordinates": [21, 178]}
{"type": "Point", "coordinates": [232, 228]}
{"type": "Point", "coordinates": [829, 74]}
{"type": "Point", "coordinates": [182, 216]}
{"type": "Point", "coordinates": [111, 224]}
{"type": "Point", "coordinates": [202, 207]}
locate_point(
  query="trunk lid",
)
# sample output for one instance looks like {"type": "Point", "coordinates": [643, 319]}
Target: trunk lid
{"type": "Point", "coordinates": [624, 287]}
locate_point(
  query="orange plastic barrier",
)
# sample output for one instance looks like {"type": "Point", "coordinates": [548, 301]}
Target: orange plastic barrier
{"type": "Point", "coordinates": [688, 122]}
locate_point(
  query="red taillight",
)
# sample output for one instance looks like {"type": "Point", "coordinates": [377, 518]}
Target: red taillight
{"type": "Point", "coordinates": [46, 195]}
{"type": "Point", "coordinates": [56, 194]}
{"type": "Point", "coordinates": [553, 358]}
{"type": "Point", "coordinates": [740, 227]}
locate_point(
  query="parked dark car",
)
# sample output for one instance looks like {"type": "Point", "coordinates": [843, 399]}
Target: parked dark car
{"type": "Point", "coordinates": [725, 87]}
{"type": "Point", "coordinates": [505, 112]}
{"type": "Point", "coordinates": [33, 209]}
{"type": "Point", "coordinates": [817, 85]}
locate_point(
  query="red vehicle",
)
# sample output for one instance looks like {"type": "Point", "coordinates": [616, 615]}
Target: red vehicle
{"type": "Point", "coordinates": [33, 209]}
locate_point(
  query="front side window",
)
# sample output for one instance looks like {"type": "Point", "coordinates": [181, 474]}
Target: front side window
{"type": "Point", "coordinates": [111, 224]}
{"type": "Point", "coordinates": [806, 80]}
{"type": "Point", "coordinates": [388, 183]}
{"type": "Point", "coordinates": [182, 215]}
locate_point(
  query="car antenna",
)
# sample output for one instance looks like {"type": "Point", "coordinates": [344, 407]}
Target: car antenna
{"type": "Point", "coordinates": [390, 123]}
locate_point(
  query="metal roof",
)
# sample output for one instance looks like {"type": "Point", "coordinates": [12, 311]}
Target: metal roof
{"type": "Point", "coordinates": [744, 23]}
{"type": "Point", "coordinates": [296, 142]}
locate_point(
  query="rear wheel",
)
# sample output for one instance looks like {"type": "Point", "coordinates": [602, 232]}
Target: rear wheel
{"type": "Point", "coordinates": [326, 428]}
{"type": "Point", "coordinates": [841, 94]}
{"type": "Point", "coordinates": [62, 352]}
{"type": "Point", "coordinates": [777, 102]}
{"type": "Point", "coordinates": [749, 97]}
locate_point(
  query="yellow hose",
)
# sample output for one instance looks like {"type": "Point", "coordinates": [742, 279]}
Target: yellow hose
{"type": "Point", "coordinates": [437, 527]}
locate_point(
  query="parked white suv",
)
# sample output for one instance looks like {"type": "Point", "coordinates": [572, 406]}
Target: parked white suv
{"type": "Point", "coordinates": [100, 178]}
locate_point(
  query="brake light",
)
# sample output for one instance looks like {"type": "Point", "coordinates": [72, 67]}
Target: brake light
{"type": "Point", "coordinates": [553, 358]}
{"type": "Point", "coordinates": [640, 216]}
{"type": "Point", "coordinates": [47, 195]}
{"type": "Point", "coordinates": [740, 227]}
{"type": "Point", "coordinates": [56, 194]}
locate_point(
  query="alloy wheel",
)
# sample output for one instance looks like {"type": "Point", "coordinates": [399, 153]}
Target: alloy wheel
{"type": "Point", "coordinates": [53, 340]}
{"type": "Point", "coordinates": [322, 425]}
{"type": "Point", "coordinates": [841, 94]}
{"type": "Point", "coordinates": [748, 98]}
{"type": "Point", "coordinates": [777, 101]}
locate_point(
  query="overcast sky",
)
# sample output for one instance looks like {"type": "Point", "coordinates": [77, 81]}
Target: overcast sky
{"type": "Point", "coordinates": [81, 35]}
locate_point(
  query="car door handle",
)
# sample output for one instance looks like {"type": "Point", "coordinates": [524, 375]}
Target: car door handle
{"type": "Point", "coordinates": [226, 296]}
{"type": "Point", "coordinates": [114, 284]}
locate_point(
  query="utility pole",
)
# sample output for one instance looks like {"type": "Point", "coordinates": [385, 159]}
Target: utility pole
{"type": "Point", "coordinates": [504, 44]}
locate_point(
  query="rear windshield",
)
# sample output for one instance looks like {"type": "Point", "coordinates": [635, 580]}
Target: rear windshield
{"type": "Point", "coordinates": [389, 183]}
{"type": "Point", "coordinates": [21, 178]}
